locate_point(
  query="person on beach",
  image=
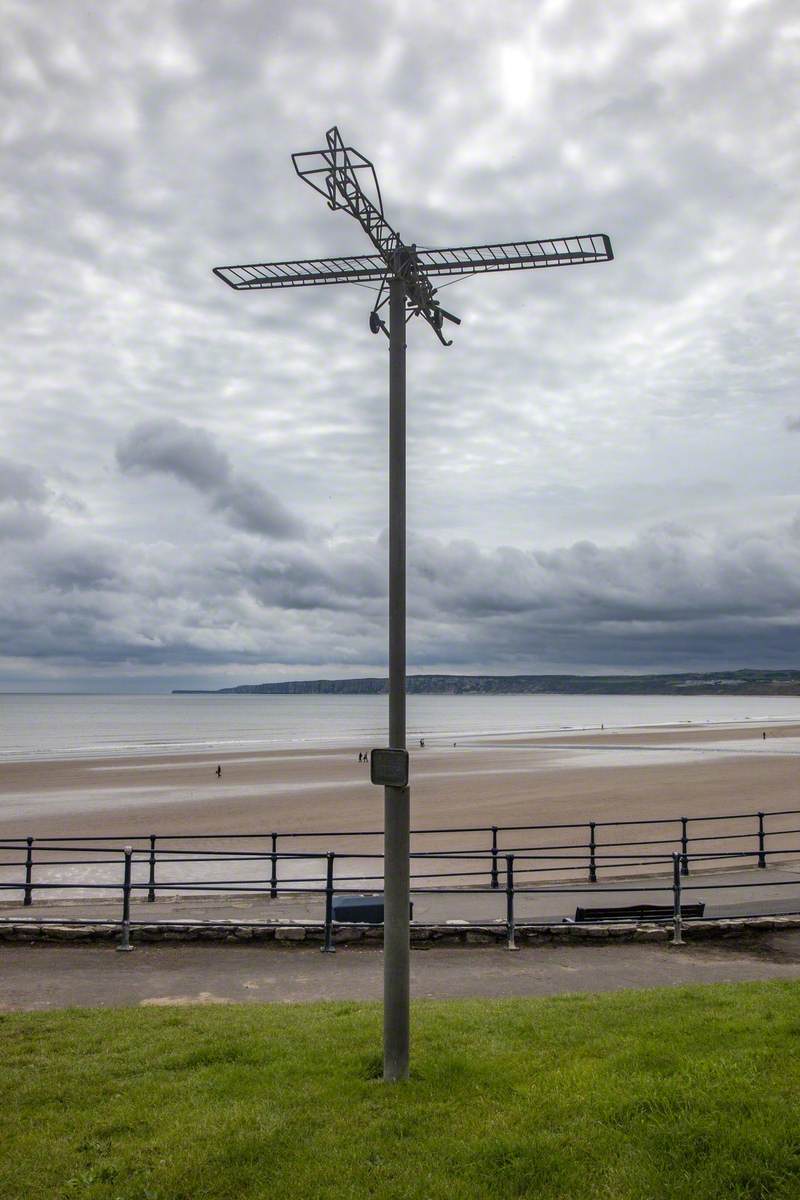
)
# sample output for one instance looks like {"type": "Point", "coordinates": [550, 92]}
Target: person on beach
{"type": "Point", "coordinates": [422, 743]}
{"type": "Point", "coordinates": [219, 770]}
{"type": "Point", "coordinates": [360, 756]}
{"type": "Point", "coordinates": [764, 735]}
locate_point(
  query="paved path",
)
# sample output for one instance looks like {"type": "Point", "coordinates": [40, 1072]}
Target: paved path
{"type": "Point", "coordinates": [42, 977]}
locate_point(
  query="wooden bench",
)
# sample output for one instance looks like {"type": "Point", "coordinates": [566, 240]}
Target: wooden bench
{"type": "Point", "coordinates": [635, 912]}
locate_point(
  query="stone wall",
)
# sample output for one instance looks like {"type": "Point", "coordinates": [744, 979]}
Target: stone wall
{"type": "Point", "coordinates": [454, 933]}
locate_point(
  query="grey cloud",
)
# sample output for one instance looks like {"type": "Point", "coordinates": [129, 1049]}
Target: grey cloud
{"type": "Point", "coordinates": [21, 482]}
{"type": "Point", "coordinates": [668, 598]}
{"type": "Point", "coordinates": [84, 567]}
{"type": "Point", "coordinates": [22, 494]}
{"type": "Point", "coordinates": [171, 447]}
{"type": "Point", "coordinates": [349, 578]}
{"type": "Point", "coordinates": [667, 575]}
{"type": "Point", "coordinates": [576, 414]}
{"type": "Point", "coordinates": [252, 508]}
{"type": "Point", "coordinates": [22, 522]}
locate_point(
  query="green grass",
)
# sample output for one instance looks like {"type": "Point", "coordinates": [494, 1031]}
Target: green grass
{"type": "Point", "coordinates": [688, 1093]}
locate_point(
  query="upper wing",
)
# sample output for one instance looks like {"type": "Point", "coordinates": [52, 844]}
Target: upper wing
{"type": "Point", "coordinates": [365, 268]}
{"type": "Point", "coordinates": [510, 256]}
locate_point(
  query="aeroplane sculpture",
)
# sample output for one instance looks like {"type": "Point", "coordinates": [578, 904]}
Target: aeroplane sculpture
{"type": "Point", "coordinates": [335, 172]}
{"type": "Point", "coordinates": [404, 275]}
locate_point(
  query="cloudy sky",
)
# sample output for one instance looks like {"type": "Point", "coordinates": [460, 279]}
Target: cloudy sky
{"type": "Point", "coordinates": [603, 468]}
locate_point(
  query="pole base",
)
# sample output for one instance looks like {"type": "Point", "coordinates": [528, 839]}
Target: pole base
{"type": "Point", "coordinates": [123, 949]}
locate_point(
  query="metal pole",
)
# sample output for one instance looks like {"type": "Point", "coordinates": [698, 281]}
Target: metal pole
{"type": "Point", "coordinates": [677, 920]}
{"type": "Point", "coordinates": [511, 928]}
{"type": "Point", "coordinates": [396, 801]}
{"type": "Point", "coordinates": [592, 852]}
{"type": "Point", "coordinates": [125, 941]}
{"type": "Point", "coordinates": [328, 947]}
{"type": "Point", "coordinates": [762, 857]}
{"type": "Point", "coordinates": [273, 878]}
{"type": "Point", "coordinates": [494, 876]}
{"type": "Point", "coordinates": [28, 874]}
{"type": "Point", "coordinates": [684, 845]}
{"type": "Point", "coordinates": [151, 882]}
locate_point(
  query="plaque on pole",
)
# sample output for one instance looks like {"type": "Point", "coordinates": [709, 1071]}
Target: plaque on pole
{"type": "Point", "coordinates": [389, 768]}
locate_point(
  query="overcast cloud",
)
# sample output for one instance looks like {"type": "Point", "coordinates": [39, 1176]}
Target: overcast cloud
{"type": "Point", "coordinates": [603, 469]}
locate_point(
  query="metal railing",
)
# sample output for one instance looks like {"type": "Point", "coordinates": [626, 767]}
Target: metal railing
{"type": "Point", "coordinates": [589, 850]}
{"type": "Point", "coordinates": [463, 871]}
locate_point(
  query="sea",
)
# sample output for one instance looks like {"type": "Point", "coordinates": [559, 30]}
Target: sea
{"type": "Point", "coordinates": [58, 726]}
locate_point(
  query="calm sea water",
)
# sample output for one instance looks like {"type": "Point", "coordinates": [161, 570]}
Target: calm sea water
{"type": "Point", "coordinates": [74, 726]}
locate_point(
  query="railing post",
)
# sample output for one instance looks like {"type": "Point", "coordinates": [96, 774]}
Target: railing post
{"type": "Point", "coordinates": [677, 921]}
{"type": "Point", "coordinates": [762, 857]}
{"type": "Point", "coordinates": [273, 879]}
{"type": "Point", "coordinates": [151, 882]}
{"type": "Point", "coordinates": [28, 873]}
{"type": "Point", "coordinates": [510, 926]}
{"type": "Point", "coordinates": [684, 846]}
{"type": "Point", "coordinates": [125, 940]}
{"type": "Point", "coordinates": [495, 880]}
{"type": "Point", "coordinates": [328, 947]}
{"type": "Point", "coordinates": [592, 850]}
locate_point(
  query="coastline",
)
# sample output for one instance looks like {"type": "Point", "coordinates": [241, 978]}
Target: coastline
{"type": "Point", "coordinates": [92, 727]}
{"type": "Point", "coordinates": [539, 778]}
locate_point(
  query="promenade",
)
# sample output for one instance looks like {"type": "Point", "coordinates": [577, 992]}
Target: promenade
{"type": "Point", "coordinates": [45, 977]}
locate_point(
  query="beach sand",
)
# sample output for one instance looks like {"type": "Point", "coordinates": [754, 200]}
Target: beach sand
{"type": "Point", "coordinates": [566, 778]}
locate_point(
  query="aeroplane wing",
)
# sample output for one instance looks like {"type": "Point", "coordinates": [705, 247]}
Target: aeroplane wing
{"type": "Point", "coordinates": [365, 268]}
{"type": "Point", "coordinates": [510, 256]}
{"type": "Point", "coordinates": [459, 260]}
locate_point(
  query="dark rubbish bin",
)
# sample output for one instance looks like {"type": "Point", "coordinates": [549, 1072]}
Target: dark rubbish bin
{"type": "Point", "coordinates": [361, 910]}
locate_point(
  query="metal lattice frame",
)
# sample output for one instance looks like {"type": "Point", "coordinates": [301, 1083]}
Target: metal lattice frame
{"type": "Point", "coordinates": [456, 261]}
{"type": "Point", "coordinates": [336, 173]}
{"type": "Point", "coordinates": [339, 166]}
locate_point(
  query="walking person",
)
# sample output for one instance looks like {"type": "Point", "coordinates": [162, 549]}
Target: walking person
{"type": "Point", "coordinates": [219, 771]}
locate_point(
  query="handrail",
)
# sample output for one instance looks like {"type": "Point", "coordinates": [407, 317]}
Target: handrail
{"type": "Point", "coordinates": [494, 864]}
{"type": "Point", "coordinates": [128, 839]}
{"type": "Point", "coordinates": [512, 887]}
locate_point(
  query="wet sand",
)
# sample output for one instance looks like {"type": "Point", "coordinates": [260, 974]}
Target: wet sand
{"type": "Point", "coordinates": [610, 776]}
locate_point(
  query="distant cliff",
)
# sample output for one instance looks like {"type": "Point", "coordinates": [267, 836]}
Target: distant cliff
{"type": "Point", "coordinates": [712, 683]}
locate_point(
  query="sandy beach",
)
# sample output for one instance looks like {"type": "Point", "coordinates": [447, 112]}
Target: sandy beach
{"type": "Point", "coordinates": [610, 776]}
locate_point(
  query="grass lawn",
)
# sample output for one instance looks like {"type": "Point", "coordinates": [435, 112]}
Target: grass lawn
{"type": "Point", "coordinates": [689, 1093]}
